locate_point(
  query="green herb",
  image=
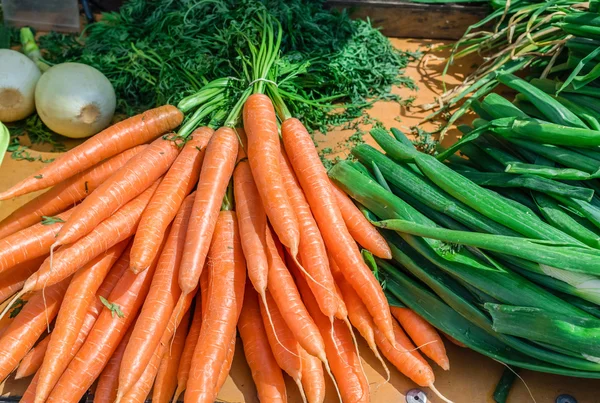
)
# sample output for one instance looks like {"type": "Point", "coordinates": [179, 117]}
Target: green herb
{"type": "Point", "coordinates": [38, 176]}
{"type": "Point", "coordinates": [114, 308]}
{"type": "Point", "coordinates": [16, 307]}
{"type": "Point", "coordinates": [46, 220]}
{"type": "Point", "coordinates": [424, 140]}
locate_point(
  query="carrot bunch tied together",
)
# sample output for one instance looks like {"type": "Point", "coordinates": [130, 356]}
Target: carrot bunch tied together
{"type": "Point", "coordinates": [155, 250]}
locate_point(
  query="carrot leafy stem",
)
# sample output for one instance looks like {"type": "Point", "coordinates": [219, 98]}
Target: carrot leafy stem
{"type": "Point", "coordinates": [114, 308]}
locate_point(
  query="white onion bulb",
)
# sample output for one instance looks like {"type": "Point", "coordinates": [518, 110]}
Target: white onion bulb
{"type": "Point", "coordinates": [18, 77]}
{"type": "Point", "coordinates": [75, 100]}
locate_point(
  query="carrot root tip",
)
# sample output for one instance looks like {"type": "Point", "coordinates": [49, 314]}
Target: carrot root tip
{"type": "Point", "coordinates": [438, 394]}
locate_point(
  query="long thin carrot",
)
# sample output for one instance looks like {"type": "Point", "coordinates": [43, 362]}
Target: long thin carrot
{"type": "Point", "coordinates": [29, 394]}
{"type": "Point", "coordinates": [165, 203]}
{"type": "Point", "coordinates": [131, 132]}
{"type": "Point", "coordinates": [33, 359]}
{"type": "Point", "coordinates": [183, 372]}
{"type": "Point", "coordinates": [64, 194]}
{"type": "Point", "coordinates": [313, 378]}
{"type": "Point", "coordinates": [317, 188]}
{"type": "Point", "coordinates": [29, 324]}
{"type": "Point", "coordinates": [106, 390]}
{"type": "Point", "coordinates": [31, 242]}
{"type": "Point", "coordinates": [12, 280]}
{"type": "Point", "coordinates": [227, 277]}
{"type": "Point", "coordinates": [219, 162]}
{"type": "Point", "coordinates": [359, 227]}
{"type": "Point", "coordinates": [108, 331]}
{"type": "Point", "coordinates": [423, 335]}
{"type": "Point", "coordinates": [266, 373]}
{"type": "Point", "coordinates": [111, 231]}
{"type": "Point", "coordinates": [312, 249]}
{"type": "Point", "coordinates": [284, 346]}
{"type": "Point", "coordinates": [158, 307]}
{"type": "Point", "coordinates": [137, 175]}
{"type": "Point", "coordinates": [226, 366]}
{"type": "Point", "coordinates": [260, 125]}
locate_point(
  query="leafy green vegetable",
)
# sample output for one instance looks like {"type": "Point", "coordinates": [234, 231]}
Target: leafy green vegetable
{"type": "Point", "coordinates": [46, 220]}
{"type": "Point", "coordinates": [114, 308]}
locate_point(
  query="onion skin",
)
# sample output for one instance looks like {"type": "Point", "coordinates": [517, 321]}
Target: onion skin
{"type": "Point", "coordinates": [75, 100]}
{"type": "Point", "coordinates": [18, 78]}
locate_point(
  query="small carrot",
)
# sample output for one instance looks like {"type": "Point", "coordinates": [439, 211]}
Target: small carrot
{"type": "Point", "coordinates": [106, 390]}
{"type": "Point", "coordinates": [163, 207]}
{"type": "Point", "coordinates": [33, 359]}
{"type": "Point", "coordinates": [260, 125]}
{"type": "Point", "coordinates": [227, 277]}
{"type": "Point", "coordinates": [28, 325]}
{"type": "Point", "coordinates": [217, 168]}
{"type": "Point", "coordinates": [317, 188]}
{"type": "Point", "coordinates": [313, 379]}
{"type": "Point", "coordinates": [64, 194]}
{"type": "Point", "coordinates": [359, 227]}
{"type": "Point", "coordinates": [115, 229]}
{"type": "Point", "coordinates": [137, 175]}
{"type": "Point", "coordinates": [160, 302]}
{"type": "Point", "coordinates": [108, 331]}
{"type": "Point", "coordinates": [183, 372]}
{"type": "Point", "coordinates": [12, 280]}
{"type": "Point", "coordinates": [124, 135]}
{"type": "Point", "coordinates": [31, 242]}
{"type": "Point", "coordinates": [423, 335]}
{"type": "Point", "coordinates": [29, 394]}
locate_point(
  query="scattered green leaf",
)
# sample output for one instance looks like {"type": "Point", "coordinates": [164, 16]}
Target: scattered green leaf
{"type": "Point", "coordinates": [114, 308]}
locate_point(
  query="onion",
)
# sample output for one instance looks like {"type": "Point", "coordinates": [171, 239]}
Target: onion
{"type": "Point", "coordinates": [75, 100]}
{"type": "Point", "coordinates": [18, 77]}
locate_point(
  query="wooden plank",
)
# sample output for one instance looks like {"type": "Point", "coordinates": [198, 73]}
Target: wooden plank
{"type": "Point", "coordinates": [401, 19]}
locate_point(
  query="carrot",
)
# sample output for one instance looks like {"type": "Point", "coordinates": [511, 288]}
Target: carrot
{"type": "Point", "coordinates": [183, 372]}
{"type": "Point", "coordinates": [405, 357]}
{"type": "Point", "coordinates": [266, 373]}
{"type": "Point", "coordinates": [359, 227]}
{"type": "Point", "coordinates": [226, 366]}
{"type": "Point", "coordinates": [339, 345]}
{"type": "Point", "coordinates": [313, 379]}
{"type": "Point", "coordinates": [290, 305]}
{"type": "Point", "coordinates": [28, 326]}
{"type": "Point", "coordinates": [31, 242]}
{"type": "Point", "coordinates": [284, 346]}
{"type": "Point", "coordinates": [64, 194]}
{"type": "Point", "coordinates": [312, 249]}
{"type": "Point", "coordinates": [29, 394]}
{"type": "Point", "coordinates": [260, 125]}
{"type": "Point", "coordinates": [136, 130]}
{"type": "Point", "coordinates": [158, 307]}
{"type": "Point", "coordinates": [453, 340]}
{"type": "Point", "coordinates": [166, 379]}
{"type": "Point", "coordinates": [12, 280]}
{"type": "Point", "coordinates": [33, 359]}
{"type": "Point", "coordinates": [219, 162]}
{"type": "Point", "coordinates": [165, 203]}
{"type": "Point", "coordinates": [227, 277]}
{"type": "Point", "coordinates": [423, 334]}
{"type": "Point", "coordinates": [106, 390]}
{"type": "Point", "coordinates": [108, 331]}
{"type": "Point", "coordinates": [137, 175]}
{"type": "Point", "coordinates": [79, 296]}
{"type": "Point", "coordinates": [317, 188]}
{"type": "Point", "coordinates": [69, 259]}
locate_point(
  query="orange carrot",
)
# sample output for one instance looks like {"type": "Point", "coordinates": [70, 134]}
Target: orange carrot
{"type": "Point", "coordinates": [339, 345]}
{"type": "Point", "coordinates": [64, 194]}
{"type": "Point", "coordinates": [33, 359]}
{"type": "Point", "coordinates": [106, 390]}
{"type": "Point", "coordinates": [165, 203]}
{"type": "Point", "coordinates": [454, 341]}
{"type": "Point", "coordinates": [290, 305]}
{"type": "Point", "coordinates": [31, 242]}
{"type": "Point", "coordinates": [226, 366]}
{"type": "Point", "coordinates": [227, 277]}
{"type": "Point", "coordinates": [183, 372]}
{"type": "Point", "coordinates": [313, 379]}
{"type": "Point", "coordinates": [108, 331]}
{"type": "Point", "coordinates": [124, 135]}
{"type": "Point", "coordinates": [29, 394]}
{"type": "Point", "coordinates": [28, 326]}
{"type": "Point", "coordinates": [266, 373]}
{"type": "Point", "coordinates": [260, 125]}
{"type": "Point", "coordinates": [12, 280]}
{"type": "Point", "coordinates": [284, 346]}
{"type": "Point", "coordinates": [217, 169]}
{"type": "Point", "coordinates": [69, 259]}
{"type": "Point", "coordinates": [317, 188]}
{"type": "Point", "coordinates": [423, 334]}
{"type": "Point", "coordinates": [359, 227]}
{"type": "Point", "coordinates": [137, 175]}
{"type": "Point", "coordinates": [78, 298]}
{"type": "Point", "coordinates": [158, 307]}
